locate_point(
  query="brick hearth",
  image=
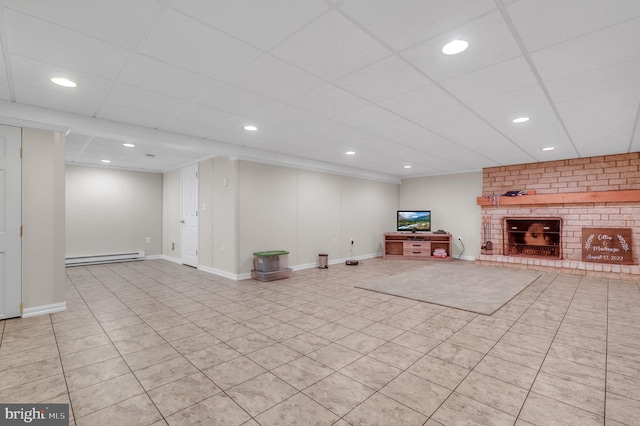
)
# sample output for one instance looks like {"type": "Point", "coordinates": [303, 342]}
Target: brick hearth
{"type": "Point", "coordinates": [595, 174]}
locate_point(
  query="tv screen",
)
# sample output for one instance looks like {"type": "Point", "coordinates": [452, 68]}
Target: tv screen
{"type": "Point", "coordinates": [414, 220]}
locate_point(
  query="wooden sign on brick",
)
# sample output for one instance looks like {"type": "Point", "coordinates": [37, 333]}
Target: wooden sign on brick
{"type": "Point", "coordinates": [607, 245]}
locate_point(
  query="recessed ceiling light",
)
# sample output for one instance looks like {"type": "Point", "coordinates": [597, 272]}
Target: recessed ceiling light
{"type": "Point", "coordinates": [61, 81]}
{"type": "Point", "coordinates": [454, 47]}
{"type": "Point", "coordinates": [129, 145]}
{"type": "Point", "coordinates": [520, 120]}
{"type": "Point", "coordinates": [407, 166]}
{"type": "Point", "coordinates": [105, 161]}
{"type": "Point", "coordinates": [350, 153]}
{"type": "Point", "coordinates": [549, 148]}
{"type": "Point", "coordinates": [251, 128]}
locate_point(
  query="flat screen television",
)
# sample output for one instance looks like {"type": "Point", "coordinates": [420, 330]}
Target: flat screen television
{"type": "Point", "coordinates": [414, 221]}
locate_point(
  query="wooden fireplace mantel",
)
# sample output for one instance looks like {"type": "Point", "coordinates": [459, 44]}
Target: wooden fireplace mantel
{"type": "Point", "coordinates": [632, 195]}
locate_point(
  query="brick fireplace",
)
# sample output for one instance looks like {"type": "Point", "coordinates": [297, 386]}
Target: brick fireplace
{"type": "Point", "coordinates": [595, 192]}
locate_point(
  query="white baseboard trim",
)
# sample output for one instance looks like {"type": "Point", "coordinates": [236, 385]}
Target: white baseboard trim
{"type": "Point", "coordinates": [164, 257]}
{"type": "Point", "coordinates": [214, 271]}
{"type": "Point", "coordinates": [44, 309]}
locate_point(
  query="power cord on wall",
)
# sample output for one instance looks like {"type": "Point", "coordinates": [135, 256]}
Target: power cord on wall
{"type": "Point", "coordinates": [460, 255]}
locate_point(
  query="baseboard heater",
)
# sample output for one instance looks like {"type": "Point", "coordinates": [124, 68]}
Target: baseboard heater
{"type": "Point", "coordinates": [103, 258]}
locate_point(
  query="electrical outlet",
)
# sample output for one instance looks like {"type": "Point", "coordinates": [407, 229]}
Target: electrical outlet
{"type": "Point", "coordinates": [148, 240]}
{"type": "Point", "coordinates": [351, 240]}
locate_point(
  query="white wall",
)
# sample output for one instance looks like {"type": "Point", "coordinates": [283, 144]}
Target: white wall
{"type": "Point", "coordinates": [112, 211]}
{"type": "Point", "coordinates": [452, 201]}
{"type": "Point", "coordinates": [43, 219]}
{"type": "Point", "coordinates": [171, 215]}
{"type": "Point", "coordinates": [217, 228]}
{"type": "Point", "coordinates": [307, 213]}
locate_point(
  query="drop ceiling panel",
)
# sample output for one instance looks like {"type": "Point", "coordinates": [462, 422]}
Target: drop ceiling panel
{"type": "Point", "coordinates": [209, 117]}
{"type": "Point", "coordinates": [259, 23]}
{"type": "Point", "coordinates": [416, 103]}
{"type": "Point", "coordinates": [96, 17]}
{"type": "Point", "coordinates": [328, 100]}
{"type": "Point", "coordinates": [273, 78]}
{"type": "Point", "coordinates": [319, 77]}
{"type": "Point", "coordinates": [599, 103]}
{"type": "Point", "coordinates": [366, 116]}
{"type": "Point", "coordinates": [543, 23]}
{"type": "Point", "coordinates": [490, 42]}
{"type": "Point", "coordinates": [169, 80]}
{"type": "Point", "coordinates": [143, 100]}
{"type": "Point", "coordinates": [55, 45]}
{"type": "Point", "coordinates": [389, 77]}
{"type": "Point", "coordinates": [504, 77]}
{"type": "Point", "coordinates": [55, 99]}
{"type": "Point", "coordinates": [332, 36]}
{"type": "Point", "coordinates": [589, 52]}
{"type": "Point", "coordinates": [610, 79]}
{"type": "Point", "coordinates": [602, 133]}
{"type": "Point", "coordinates": [514, 104]}
{"type": "Point", "coordinates": [405, 23]}
{"type": "Point", "coordinates": [123, 114]}
{"type": "Point", "coordinates": [187, 43]}
{"type": "Point", "coordinates": [237, 101]}
{"type": "Point", "coordinates": [37, 74]}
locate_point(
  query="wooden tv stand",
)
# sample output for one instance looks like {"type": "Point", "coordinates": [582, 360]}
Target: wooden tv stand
{"type": "Point", "coordinates": [418, 246]}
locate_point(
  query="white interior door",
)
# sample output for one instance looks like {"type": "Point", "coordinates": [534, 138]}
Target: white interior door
{"type": "Point", "coordinates": [190, 215]}
{"type": "Point", "coordinates": [10, 221]}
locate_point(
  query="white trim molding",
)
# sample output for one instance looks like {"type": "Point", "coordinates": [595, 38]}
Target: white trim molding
{"type": "Point", "coordinates": [44, 309]}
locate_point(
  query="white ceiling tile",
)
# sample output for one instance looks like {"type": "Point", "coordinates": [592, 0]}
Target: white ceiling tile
{"type": "Point", "coordinates": [56, 98]}
{"type": "Point", "coordinates": [395, 130]}
{"type": "Point", "coordinates": [143, 100]}
{"type": "Point", "coordinates": [238, 101]}
{"type": "Point", "coordinates": [604, 132]}
{"type": "Point", "coordinates": [192, 129]}
{"type": "Point", "coordinates": [260, 23]}
{"type": "Point", "coordinates": [209, 117]}
{"type": "Point", "coordinates": [273, 78]}
{"type": "Point", "coordinates": [404, 23]}
{"type": "Point", "coordinates": [543, 122]}
{"type": "Point", "coordinates": [55, 45]}
{"type": "Point", "coordinates": [456, 115]}
{"type": "Point", "coordinates": [328, 101]}
{"type": "Point", "coordinates": [366, 116]}
{"type": "Point", "coordinates": [600, 102]}
{"type": "Point", "coordinates": [155, 76]}
{"type": "Point", "coordinates": [389, 77]}
{"type": "Point", "coordinates": [96, 17]}
{"type": "Point", "coordinates": [332, 36]}
{"type": "Point", "coordinates": [127, 115]}
{"type": "Point", "coordinates": [610, 79]}
{"type": "Point", "coordinates": [187, 43]}
{"type": "Point", "coordinates": [490, 42]}
{"type": "Point", "coordinates": [37, 74]}
{"type": "Point", "coordinates": [417, 103]}
{"type": "Point", "coordinates": [518, 103]}
{"type": "Point", "coordinates": [589, 52]}
{"type": "Point", "coordinates": [543, 23]}
{"type": "Point", "coordinates": [206, 68]}
{"type": "Point", "coordinates": [504, 77]}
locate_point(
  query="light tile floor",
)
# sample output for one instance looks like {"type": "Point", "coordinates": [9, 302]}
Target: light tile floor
{"type": "Point", "coordinates": [155, 343]}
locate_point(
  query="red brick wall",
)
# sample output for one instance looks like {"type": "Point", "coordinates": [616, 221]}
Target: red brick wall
{"type": "Point", "coordinates": [594, 174]}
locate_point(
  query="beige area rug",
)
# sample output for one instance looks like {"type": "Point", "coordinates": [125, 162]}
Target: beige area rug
{"type": "Point", "coordinates": [460, 285]}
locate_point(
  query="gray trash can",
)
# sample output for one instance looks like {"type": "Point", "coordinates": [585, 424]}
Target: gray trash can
{"type": "Point", "coordinates": [323, 261]}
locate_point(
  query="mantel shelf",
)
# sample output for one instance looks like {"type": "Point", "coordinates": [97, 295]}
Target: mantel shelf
{"type": "Point", "coordinates": [565, 198]}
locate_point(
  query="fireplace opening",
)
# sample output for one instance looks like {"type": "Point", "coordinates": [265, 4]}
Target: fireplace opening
{"type": "Point", "coordinates": [533, 237]}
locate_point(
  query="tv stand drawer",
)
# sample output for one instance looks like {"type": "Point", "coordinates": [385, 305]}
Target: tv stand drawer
{"type": "Point", "coordinates": [410, 245]}
{"type": "Point", "coordinates": [421, 252]}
